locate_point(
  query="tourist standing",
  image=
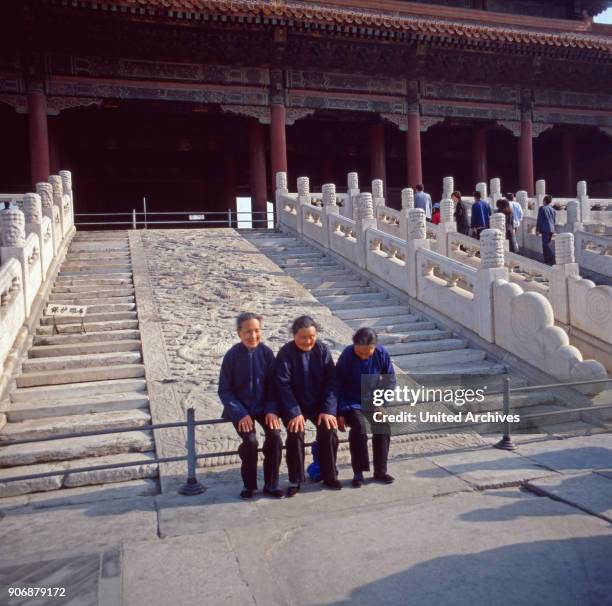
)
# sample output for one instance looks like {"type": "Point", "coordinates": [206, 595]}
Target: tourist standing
{"type": "Point", "coordinates": [246, 388]}
{"type": "Point", "coordinates": [306, 387]}
{"type": "Point", "coordinates": [504, 207]}
{"type": "Point", "coordinates": [363, 367]}
{"type": "Point", "coordinates": [481, 212]}
{"type": "Point", "coordinates": [422, 200]}
{"type": "Point", "coordinates": [546, 227]}
{"type": "Point", "coordinates": [460, 214]}
{"type": "Point", "coordinates": [517, 216]}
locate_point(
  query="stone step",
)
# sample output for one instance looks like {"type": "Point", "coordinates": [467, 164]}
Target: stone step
{"type": "Point", "coordinates": [81, 360]}
{"type": "Point", "coordinates": [420, 335]}
{"type": "Point", "coordinates": [98, 307]}
{"type": "Point", "coordinates": [419, 347]}
{"type": "Point", "coordinates": [82, 405]}
{"type": "Point", "coordinates": [89, 327]}
{"type": "Point", "coordinates": [565, 415]}
{"type": "Point", "coordinates": [375, 298]}
{"type": "Point", "coordinates": [324, 285]}
{"type": "Point", "coordinates": [351, 290]}
{"type": "Point", "coordinates": [54, 426]}
{"type": "Point", "coordinates": [100, 286]}
{"type": "Point", "coordinates": [120, 272]}
{"type": "Point", "coordinates": [381, 322]}
{"type": "Point", "coordinates": [386, 312]}
{"type": "Point", "coordinates": [75, 349]}
{"type": "Point", "coordinates": [90, 317]}
{"type": "Point", "coordinates": [322, 273]}
{"type": "Point", "coordinates": [85, 279]}
{"type": "Point", "coordinates": [94, 256]}
{"type": "Point", "coordinates": [373, 304]}
{"type": "Point", "coordinates": [75, 448]}
{"type": "Point", "coordinates": [88, 337]}
{"type": "Point", "coordinates": [95, 264]}
{"type": "Point", "coordinates": [406, 328]}
{"type": "Point", "coordinates": [304, 263]}
{"type": "Point", "coordinates": [80, 375]}
{"type": "Point", "coordinates": [484, 368]}
{"type": "Point", "coordinates": [108, 477]}
{"type": "Point", "coordinates": [102, 294]}
{"type": "Point", "coordinates": [438, 360]}
{"type": "Point", "coordinates": [92, 300]}
{"type": "Point", "coordinates": [94, 259]}
{"type": "Point", "coordinates": [98, 247]}
{"type": "Point", "coordinates": [522, 401]}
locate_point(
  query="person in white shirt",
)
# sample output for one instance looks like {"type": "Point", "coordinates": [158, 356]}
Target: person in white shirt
{"type": "Point", "coordinates": [517, 215]}
{"type": "Point", "coordinates": [422, 200]}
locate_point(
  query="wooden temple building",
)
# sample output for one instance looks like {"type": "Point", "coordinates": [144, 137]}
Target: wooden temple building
{"type": "Point", "coordinates": [194, 102]}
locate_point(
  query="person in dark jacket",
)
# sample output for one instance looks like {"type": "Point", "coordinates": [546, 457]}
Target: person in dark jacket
{"type": "Point", "coordinates": [246, 388]}
{"type": "Point", "coordinates": [463, 227]}
{"type": "Point", "coordinates": [362, 367]}
{"type": "Point", "coordinates": [306, 388]}
{"type": "Point", "coordinates": [480, 215]}
{"type": "Point", "coordinates": [546, 227]}
{"type": "Point", "coordinates": [505, 208]}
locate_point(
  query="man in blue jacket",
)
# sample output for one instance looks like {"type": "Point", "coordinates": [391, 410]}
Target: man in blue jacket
{"type": "Point", "coordinates": [361, 368]}
{"type": "Point", "coordinates": [481, 212]}
{"type": "Point", "coordinates": [246, 388]}
{"type": "Point", "coordinates": [306, 389]}
{"type": "Point", "coordinates": [546, 227]}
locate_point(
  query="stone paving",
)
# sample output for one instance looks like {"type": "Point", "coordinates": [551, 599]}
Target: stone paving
{"type": "Point", "coordinates": [465, 527]}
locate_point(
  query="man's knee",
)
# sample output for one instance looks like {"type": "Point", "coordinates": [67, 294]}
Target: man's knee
{"type": "Point", "coordinates": [249, 441]}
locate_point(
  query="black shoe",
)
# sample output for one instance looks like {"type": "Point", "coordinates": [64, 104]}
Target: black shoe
{"type": "Point", "coordinates": [247, 494]}
{"type": "Point", "coordinates": [292, 491]}
{"type": "Point", "coordinates": [357, 482]}
{"type": "Point", "coordinates": [385, 478]}
{"type": "Point", "coordinates": [277, 493]}
{"type": "Point", "coordinates": [332, 484]}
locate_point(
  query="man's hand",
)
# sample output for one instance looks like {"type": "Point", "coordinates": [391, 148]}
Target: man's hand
{"type": "Point", "coordinates": [245, 424]}
{"type": "Point", "coordinates": [329, 420]}
{"type": "Point", "coordinates": [341, 424]}
{"type": "Point", "coordinates": [272, 421]}
{"type": "Point", "coordinates": [296, 424]}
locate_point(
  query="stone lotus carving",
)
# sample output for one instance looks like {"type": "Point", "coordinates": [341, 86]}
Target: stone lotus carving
{"type": "Point", "coordinates": [564, 249]}
{"type": "Point", "coordinates": [32, 208]}
{"type": "Point", "coordinates": [417, 229]}
{"type": "Point", "coordinates": [582, 188]}
{"type": "Point", "coordinates": [491, 249]}
{"type": "Point", "coordinates": [329, 194]}
{"type": "Point", "coordinates": [448, 186]}
{"type": "Point", "coordinates": [13, 228]}
{"type": "Point", "coordinates": [366, 206]}
{"type": "Point", "coordinates": [540, 187]}
{"type": "Point", "coordinates": [377, 188]}
{"type": "Point", "coordinates": [482, 188]}
{"type": "Point", "coordinates": [498, 221]}
{"type": "Point", "coordinates": [45, 191]}
{"type": "Point", "coordinates": [353, 181]}
{"type": "Point", "coordinates": [407, 198]}
{"type": "Point", "coordinates": [446, 210]}
{"type": "Point", "coordinates": [522, 197]}
{"type": "Point", "coordinates": [281, 181]}
{"type": "Point", "coordinates": [58, 190]}
{"type": "Point", "coordinates": [303, 186]}
{"type": "Point", "coordinates": [66, 177]}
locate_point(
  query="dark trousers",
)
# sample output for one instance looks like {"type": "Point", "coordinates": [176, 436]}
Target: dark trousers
{"type": "Point", "coordinates": [549, 255]}
{"type": "Point", "coordinates": [327, 451]}
{"type": "Point", "coordinates": [272, 450]}
{"type": "Point", "coordinates": [358, 444]}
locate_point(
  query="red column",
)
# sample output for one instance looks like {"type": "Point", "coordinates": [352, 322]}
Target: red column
{"type": "Point", "coordinates": [278, 141]}
{"type": "Point", "coordinates": [479, 154]}
{"type": "Point", "coordinates": [257, 155]}
{"type": "Point", "coordinates": [39, 139]}
{"type": "Point", "coordinates": [378, 166]}
{"type": "Point", "coordinates": [413, 149]}
{"type": "Point", "coordinates": [229, 183]}
{"type": "Point", "coordinates": [54, 150]}
{"type": "Point", "coordinates": [526, 156]}
{"type": "Point", "coordinates": [569, 164]}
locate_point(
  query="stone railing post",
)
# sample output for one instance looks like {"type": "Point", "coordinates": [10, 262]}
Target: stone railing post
{"type": "Point", "coordinates": [330, 207]}
{"type": "Point", "coordinates": [281, 190]}
{"type": "Point", "coordinates": [407, 204]}
{"type": "Point", "coordinates": [565, 267]}
{"type": "Point", "coordinates": [365, 220]}
{"type": "Point", "coordinates": [573, 223]}
{"type": "Point", "coordinates": [45, 191]}
{"type": "Point", "coordinates": [416, 238]}
{"type": "Point", "coordinates": [482, 188]}
{"type": "Point", "coordinates": [585, 203]}
{"type": "Point", "coordinates": [448, 187]}
{"type": "Point", "coordinates": [540, 189]}
{"type": "Point", "coordinates": [13, 243]}
{"type": "Point", "coordinates": [58, 200]}
{"type": "Point", "coordinates": [495, 187]}
{"type": "Point", "coordinates": [491, 269]}
{"type": "Point", "coordinates": [522, 197]}
{"type": "Point", "coordinates": [498, 221]}
{"type": "Point", "coordinates": [447, 225]}
{"type": "Point", "coordinates": [378, 194]}
{"type": "Point", "coordinates": [32, 210]}
{"type": "Point", "coordinates": [303, 187]}
{"type": "Point", "coordinates": [66, 177]}
{"type": "Point", "coordinates": [352, 188]}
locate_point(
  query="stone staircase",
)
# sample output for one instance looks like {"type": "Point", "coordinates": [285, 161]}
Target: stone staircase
{"type": "Point", "coordinates": [83, 379]}
{"type": "Point", "coordinates": [427, 350]}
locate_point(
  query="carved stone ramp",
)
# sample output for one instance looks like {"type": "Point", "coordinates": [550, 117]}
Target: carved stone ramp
{"type": "Point", "coordinates": [83, 377]}
{"type": "Point", "coordinates": [420, 344]}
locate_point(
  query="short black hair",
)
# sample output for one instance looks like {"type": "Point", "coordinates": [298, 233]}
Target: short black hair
{"type": "Point", "coordinates": [245, 317]}
{"type": "Point", "coordinates": [303, 322]}
{"type": "Point", "coordinates": [509, 196]}
{"type": "Point", "coordinates": [365, 336]}
{"type": "Point", "coordinates": [457, 194]}
{"type": "Point", "coordinates": [477, 195]}
{"type": "Point", "coordinates": [419, 187]}
{"type": "Point", "coordinates": [547, 199]}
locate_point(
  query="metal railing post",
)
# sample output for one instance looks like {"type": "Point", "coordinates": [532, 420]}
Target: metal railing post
{"type": "Point", "coordinates": [144, 208]}
{"type": "Point", "coordinates": [506, 442]}
{"type": "Point", "coordinates": [229, 217]}
{"type": "Point", "coordinates": [133, 218]}
{"type": "Point", "coordinates": [191, 486]}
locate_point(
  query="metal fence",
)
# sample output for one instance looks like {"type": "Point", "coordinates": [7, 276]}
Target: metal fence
{"type": "Point", "coordinates": [193, 487]}
{"type": "Point", "coordinates": [197, 218]}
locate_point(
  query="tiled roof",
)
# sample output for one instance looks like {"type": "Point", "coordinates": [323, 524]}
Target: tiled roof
{"type": "Point", "coordinates": [341, 13]}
